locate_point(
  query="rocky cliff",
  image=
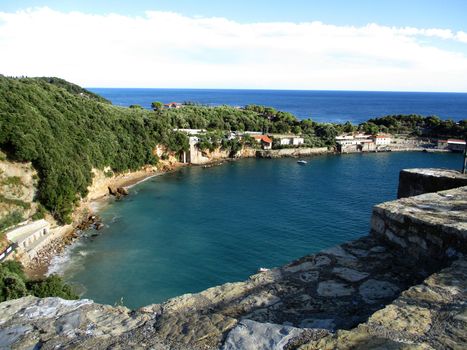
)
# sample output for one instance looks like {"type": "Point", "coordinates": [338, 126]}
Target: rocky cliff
{"type": "Point", "coordinates": [402, 287]}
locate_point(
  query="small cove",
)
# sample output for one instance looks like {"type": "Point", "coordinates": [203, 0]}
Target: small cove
{"type": "Point", "coordinates": [196, 228]}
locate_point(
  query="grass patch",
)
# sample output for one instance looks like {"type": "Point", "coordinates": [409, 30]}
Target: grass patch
{"type": "Point", "coordinates": [16, 202]}
{"type": "Point", "coordinates": [12, 181]}
{"type": "Point", "coordinates": [10, 220]}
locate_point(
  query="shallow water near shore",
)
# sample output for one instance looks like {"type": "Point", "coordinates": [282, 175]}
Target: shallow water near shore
{"type": "Point", "coordinates": [196, 228]}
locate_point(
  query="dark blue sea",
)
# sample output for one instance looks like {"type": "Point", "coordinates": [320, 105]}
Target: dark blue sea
{"type": "Point", "coordinates": [199, 227]}
{"type": "Point", "coordinates": [320, 106]}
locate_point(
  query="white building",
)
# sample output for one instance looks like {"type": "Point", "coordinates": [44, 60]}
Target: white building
{"type": "Point", "coordinates": [382, 139]}
{"type": "Point", "coordinates": [349, 143]}
{"type": "Point", "coordinates": [264, 140]}
{"type": "Point", "coordinates": [456, 145]}
{"type": "Point", "coordinates": [192, 131]}
{"type": "Point", "coordinates": [27, 235]}
{"type": "Point", "coordinates": [289, 140]}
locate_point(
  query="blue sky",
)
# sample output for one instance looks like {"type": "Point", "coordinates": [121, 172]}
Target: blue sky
{"type": "Point", "coordinates": [417, 13]}
{"type": "Point", "coordinates": [409, 45]}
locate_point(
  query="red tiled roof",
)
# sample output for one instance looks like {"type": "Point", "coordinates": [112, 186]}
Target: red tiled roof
{"type": "Point", "coordinates": [263, 138]}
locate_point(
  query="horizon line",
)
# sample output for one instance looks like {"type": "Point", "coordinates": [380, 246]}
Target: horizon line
{"type": "Point", "coordinates": [272, 89]}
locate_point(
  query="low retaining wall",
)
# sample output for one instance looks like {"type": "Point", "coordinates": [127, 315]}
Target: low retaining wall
{"type": "Point", "coordinates": [292, 152]}
{"type": "Point", "coordinates": [413, 182]}
{"type": "Point", "coordinates": [432, 225]}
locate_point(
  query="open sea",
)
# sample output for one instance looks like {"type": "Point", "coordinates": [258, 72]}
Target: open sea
{"type": "Point", "coordinates": [199, 227]}
{"type": "Point", "coordinates": [321, 106]}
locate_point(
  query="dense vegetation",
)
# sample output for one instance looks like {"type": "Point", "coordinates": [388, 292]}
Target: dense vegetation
{"type": "Point", "coordinates": [251, 118]}
{"type": "Point", "coordinates": [14, 284]}
{"type": "Point", "coordinates": [417, 125]}
{"type": "Point", "coordinates": [65, 134]}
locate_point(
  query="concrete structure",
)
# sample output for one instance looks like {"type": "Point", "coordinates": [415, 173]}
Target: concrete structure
{"type": "Point", "coordinates": [192, 132]}
{"type": "Point", "coordinates": [27, 235]}
{"type": "Point", "coordinates": [350, 143]}
{"type": "Point", "coordinates": [355, 143]}
{"type": "Point", "coordinates": [413, 182]}
{"type": "Point", "coordinates": [292, 152]}
{"type": "Point", "coordinates": [382, 139]}
{"type": "Point", "coordinates": [454, 145]}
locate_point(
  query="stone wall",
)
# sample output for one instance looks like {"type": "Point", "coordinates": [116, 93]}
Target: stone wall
{"type": "Point", "coordinates": [432, 225]}
{"type": "Point", "coordinates": [292, 152]}
{"type": "Point", "coordinates": [413, 182]}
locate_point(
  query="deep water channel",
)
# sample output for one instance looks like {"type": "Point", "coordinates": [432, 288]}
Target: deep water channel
{"type": "Point", "coordinates": [196, 228]}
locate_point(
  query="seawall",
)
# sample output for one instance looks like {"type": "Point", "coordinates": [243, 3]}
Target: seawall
{"type": "Point", "coordinates": [293, 152]}
{"type": "Point", "coordinates": [413, 182]}
{"type": "Point", "coordinates": [403, 286]}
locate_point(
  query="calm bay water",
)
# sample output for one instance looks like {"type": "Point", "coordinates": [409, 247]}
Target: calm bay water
{"type": "Point", "coordinates": [196, 228]}
{"type": "Point", "coordinates": [321, 106]}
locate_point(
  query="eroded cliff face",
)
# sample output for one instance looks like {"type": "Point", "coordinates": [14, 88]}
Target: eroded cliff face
{"type": "Point", "coordinates": [18, 186]}
{"type": "Point", "coordinates": [199, 157]}
{"type": "Point", "coordinates": [370, 293]}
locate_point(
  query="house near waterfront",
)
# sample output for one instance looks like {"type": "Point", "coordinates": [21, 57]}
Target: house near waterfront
{"type": "Point", "coordinates": [456, 145]}
{"type": "Point", "coordinates": [349, 143]}
{"type": "Point", "coordinates": [29, 236]}
{"type": "Point", "coordinates": [382, 139]}
{"type": "Point", "coordinates": [264, 140]}
{"type": "Point", "coordinates": [175, 105]}
{"type": "Point", "coordinates": [289, 140]}
{"type": "Point", "coordinates": [453, 145]}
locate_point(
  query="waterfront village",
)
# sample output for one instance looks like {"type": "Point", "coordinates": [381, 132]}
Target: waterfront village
{"type": "Point", "coordinates": [26, 239]}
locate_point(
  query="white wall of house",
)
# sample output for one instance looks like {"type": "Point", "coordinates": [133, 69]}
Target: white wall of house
{"type": "Point", "coordinates": [26, 235]}
{"type": "Point", "coordinates": [380, 141]}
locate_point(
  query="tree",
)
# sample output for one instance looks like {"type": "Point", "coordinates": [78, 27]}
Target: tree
{"type": "Point", "coordinates": [157, 106]}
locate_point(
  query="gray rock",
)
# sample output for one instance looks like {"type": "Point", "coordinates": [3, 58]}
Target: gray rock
{"type": "Point", "coordinates": [10, 335]}
{"type": "Point", "coordinates": [332, 288]}
{"type": "Point", "coordinates": [374, 290]}
{"type": "Point", "coordinates": [327, 323]}
{"type": "Point", "coordinates": [251, 335]}
{"type": "Point", "coordinates": [350, 275]}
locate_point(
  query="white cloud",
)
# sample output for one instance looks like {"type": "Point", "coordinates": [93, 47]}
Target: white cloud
{"type": "Point", "coordinates": [165, 49]}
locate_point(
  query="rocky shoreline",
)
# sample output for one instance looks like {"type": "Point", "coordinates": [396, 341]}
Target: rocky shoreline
{"type": "Point", "coordinates": [85, 217]}
{"type": "Point", "coordinates": [117, 187]}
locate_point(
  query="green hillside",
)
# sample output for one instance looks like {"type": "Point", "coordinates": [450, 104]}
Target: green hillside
{"type": "Point", "coordinates": [65, 134]}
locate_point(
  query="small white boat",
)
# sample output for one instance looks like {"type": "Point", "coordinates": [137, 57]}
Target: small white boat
{"type": "Point", "coordinates": [302, 162]}
{"type": "Point", "coordinates": [263, 269]}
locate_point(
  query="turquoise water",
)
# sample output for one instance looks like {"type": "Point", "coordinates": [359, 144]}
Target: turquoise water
{"type": "Point", "coordinates": [196, 228]}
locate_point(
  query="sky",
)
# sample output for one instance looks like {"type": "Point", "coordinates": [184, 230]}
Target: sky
{"type": "Point", "coordinates": [396, 45]}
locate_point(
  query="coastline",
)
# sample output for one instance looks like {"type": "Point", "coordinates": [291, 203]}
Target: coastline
{"type": "Point", "coordinates": [99, 196]}
{"type": "Point", "coordinates": [62, 236]}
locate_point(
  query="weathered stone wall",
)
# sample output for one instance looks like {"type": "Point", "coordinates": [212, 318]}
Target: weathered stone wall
{"type": "Point", "coordinates": [292, 152]}
{"type": "Point", "coordinates": [413, 182]}
{"type": "Point", "coordinates": [432, 225]}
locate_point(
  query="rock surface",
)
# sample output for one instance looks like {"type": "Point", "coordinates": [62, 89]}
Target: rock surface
{"type": "Point", "coordinates": [413, 182]}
